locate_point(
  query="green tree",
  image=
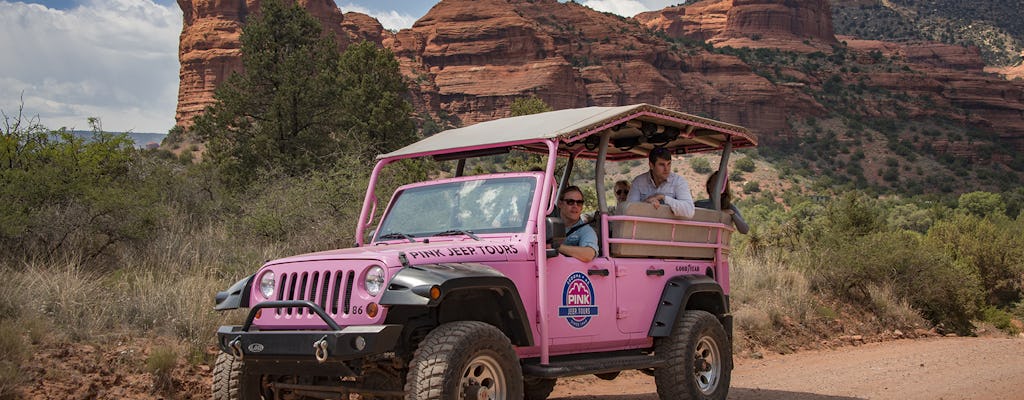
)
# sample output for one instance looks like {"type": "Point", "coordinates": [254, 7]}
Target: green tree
{"type": "Point", "coordinates": [518, 161]}
{"type": "Point", "coordinates": [528, 105]}
{"type": "Point", "coordinates": [982, 204]}
{"type": "Point", "coordinates": [281, 112]}
{"type": "Point", "coordinates": [1014, 201]}
{"type": "Point", "coordinates": [373, 107]}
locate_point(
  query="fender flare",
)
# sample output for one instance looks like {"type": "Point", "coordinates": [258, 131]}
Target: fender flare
{"type": "Point", "coordinates": [684, 292]}
{"type": "Point", "coordinates": [411, 287]}
{"type": "Point", "coordinates": [237, 296]}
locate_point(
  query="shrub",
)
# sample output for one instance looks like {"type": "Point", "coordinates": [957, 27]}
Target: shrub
{"type": "Point", "coordinates": [989, 250]}
{"type": "Point", "coordinates": [745, 164]}
{"type": "Point", "coordinates": [700, 165]}
{"type": "Point", "coordinates": [61, 193]}
{"type": "Point", "coordinates": [1000, 319]}
{"type": "Point", "coordinates": [736, 176]}
{"type": "Point", "coordinates": [859, 269]}
{"type": "Point", "coordinates": [751, 187]}
{"type": "Point", "coordinates": [307, 214]}
{"type": "Point", "coordinates": [528, 105]}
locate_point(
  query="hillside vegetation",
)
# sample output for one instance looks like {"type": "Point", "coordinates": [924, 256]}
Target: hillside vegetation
{"type": "Point", "coordinates": [869, 137]}
{"type": "Point", "coordinates": [996, 27]}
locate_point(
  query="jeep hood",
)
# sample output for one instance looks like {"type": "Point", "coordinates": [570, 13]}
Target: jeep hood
{"type": "Point", "coordinates": [458, 250]}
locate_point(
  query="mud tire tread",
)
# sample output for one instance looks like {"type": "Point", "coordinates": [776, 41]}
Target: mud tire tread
{"type": "Point", "coordinates": [227, 372]}
{"type": "Point", "coordinates": [675, 381]}
{"type": "Point", "coordinates": [431, 378]}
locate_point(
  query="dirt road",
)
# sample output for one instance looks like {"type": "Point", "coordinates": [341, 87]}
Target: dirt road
{"type": "Point", "coordinates": [926, 369]}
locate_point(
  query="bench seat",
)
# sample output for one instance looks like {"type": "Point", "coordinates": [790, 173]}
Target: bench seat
{"type": "Point", "coordinates": [680, 239]}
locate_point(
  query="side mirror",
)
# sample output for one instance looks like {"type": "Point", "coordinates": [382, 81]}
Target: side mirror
{"type": "Point", "coordinates": [555, 228]}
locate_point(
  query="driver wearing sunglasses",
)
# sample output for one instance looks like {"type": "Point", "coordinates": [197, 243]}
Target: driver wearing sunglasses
{"type": "Point", "coordinates": [581, 242]}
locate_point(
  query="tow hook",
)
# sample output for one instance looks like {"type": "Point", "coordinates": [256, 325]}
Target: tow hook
{"type": "Point", "coordinates": [236, 347]}
{"type": "Point", "coordinates": [321, 349]}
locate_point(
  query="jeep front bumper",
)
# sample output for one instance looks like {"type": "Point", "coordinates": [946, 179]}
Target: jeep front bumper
{"type": "Point", "coordinates": [333, 344]}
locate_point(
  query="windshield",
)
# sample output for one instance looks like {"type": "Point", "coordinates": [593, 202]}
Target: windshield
{"type": "Point", "coordinates": [497, 205]}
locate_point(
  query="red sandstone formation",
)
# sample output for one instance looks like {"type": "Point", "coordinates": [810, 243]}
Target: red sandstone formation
{"type": "Point", "coordinates": [797, 25]}
{"type": "Point", "coordinates": [209, 52]}
{"type": "Point", "coordinates": [701, 20]}
{"type": "Point", "coordinates": [471, 59]}
{"type": "Point", "coordinates": [360, 27]}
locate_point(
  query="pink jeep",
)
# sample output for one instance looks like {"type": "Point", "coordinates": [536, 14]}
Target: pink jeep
{"type": "Point", "coordinates": [458, 293]}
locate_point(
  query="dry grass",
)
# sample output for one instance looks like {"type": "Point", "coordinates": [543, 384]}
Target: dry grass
{"type": "Point", "coordinates": [775, 307]}
{"type": "Point", "coordinates": [891, 310]}
{"type": "Point", "coordinates": [164, 290]}
{"type": "Point", "coordinates": [160, 363]}
{"type": "Point", "coordinates": [12, 353]}
{"type": "Point", "coordinates": [768, 298]}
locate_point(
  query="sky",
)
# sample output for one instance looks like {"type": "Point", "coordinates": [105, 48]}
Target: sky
{"type": "Point", "coordinates": [117, 60]}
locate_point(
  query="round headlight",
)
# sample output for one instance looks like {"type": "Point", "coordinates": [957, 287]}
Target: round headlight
{"type": "Point", "coordinates": [374, 280]}
{"type": "Point", "coordinates": [267, 284]}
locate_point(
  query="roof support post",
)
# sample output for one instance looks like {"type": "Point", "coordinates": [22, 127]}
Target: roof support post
{"type": "Point", "coordinates": [602, 151]}
{"type": "Point", "coordinates": [460, 167]}
{"type": "Point", "coordinates": [541, 243]}
{"type": "Point", "coordinates": [723, 174]}
{"type": "Point", "coordinates": [369, 202]}
{"type": "Point", "coordinates": [602, 206]}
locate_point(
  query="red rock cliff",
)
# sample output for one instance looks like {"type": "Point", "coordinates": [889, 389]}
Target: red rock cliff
{"type": "Point", "coordinates": [799, 25]}
{"type": "Point", "coordinates": [472, 58]}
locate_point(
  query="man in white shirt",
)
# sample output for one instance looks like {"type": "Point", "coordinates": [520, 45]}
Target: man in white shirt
{"type": "Point", "coordinates": [660, 186]}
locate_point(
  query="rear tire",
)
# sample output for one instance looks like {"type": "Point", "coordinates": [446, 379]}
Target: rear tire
{"type": "Point", "coordinates": [699, 359]}
{"type": "Point", "coordinates": [464, 360]}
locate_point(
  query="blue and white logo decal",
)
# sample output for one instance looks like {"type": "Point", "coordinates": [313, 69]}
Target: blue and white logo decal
{"type": "Point", "coordinates": [578, 303]}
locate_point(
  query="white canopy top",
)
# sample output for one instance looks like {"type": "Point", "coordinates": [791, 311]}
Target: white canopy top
{"type": "Point", "coordinates": [635, 129]}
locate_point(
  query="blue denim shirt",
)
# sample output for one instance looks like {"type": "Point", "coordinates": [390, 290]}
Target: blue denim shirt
{"type": "Point", "coordinates": [584, 237]}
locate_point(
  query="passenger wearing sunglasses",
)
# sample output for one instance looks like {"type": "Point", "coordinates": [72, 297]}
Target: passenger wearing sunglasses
{"type": "Point", "coordinates": [580, 240]}
{"type": "Point", "coordinates": [661, 186]}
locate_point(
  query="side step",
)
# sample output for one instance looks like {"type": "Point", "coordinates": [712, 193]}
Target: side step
{"type": "Point", "coordinates": [599, 363]}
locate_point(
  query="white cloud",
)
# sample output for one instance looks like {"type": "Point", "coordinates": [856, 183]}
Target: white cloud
{"type": "Point", "coordinates": [625, 8]}
{"type": "Point", "coordinates": [390, 19]}
{"type": "Point", "coordinates": [629, 8]}
{"type": "Point", "coordinates": [112, 59]}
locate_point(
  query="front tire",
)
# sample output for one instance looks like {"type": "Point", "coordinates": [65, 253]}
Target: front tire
{"type": "Point", "coordinates": [699, 359]}
{"type": "Point", "coordinates": [464, 360]}
{"type": "Point", "coordinates": [226, 377]}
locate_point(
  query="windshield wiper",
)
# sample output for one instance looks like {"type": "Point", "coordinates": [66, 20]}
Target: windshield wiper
{"type": "Point", "coordinates": [398, 235]}
{"type": "Point", "coordinates": [459, 232]}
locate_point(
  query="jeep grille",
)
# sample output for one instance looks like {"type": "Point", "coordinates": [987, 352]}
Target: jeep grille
{"type": "Point", "coordinates": [332, 290]}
